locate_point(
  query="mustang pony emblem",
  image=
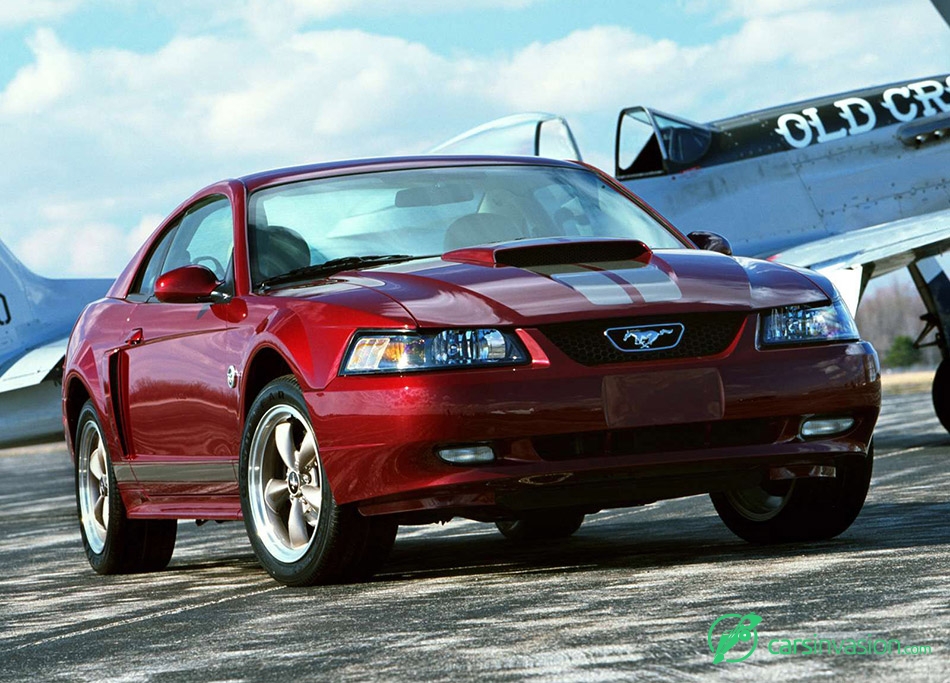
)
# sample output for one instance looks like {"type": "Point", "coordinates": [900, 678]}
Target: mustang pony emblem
{"type": "Point", "coordinates": [645, 337]}
{"type": "Point", "coordinates": [644, 340]}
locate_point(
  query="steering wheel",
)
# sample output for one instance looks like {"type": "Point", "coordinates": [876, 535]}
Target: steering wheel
{"type": "Point", "coordinates": [218, 269]}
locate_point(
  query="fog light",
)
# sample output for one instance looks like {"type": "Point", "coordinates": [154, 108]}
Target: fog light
{"type": "Point", "coordinates": [467, 455]}
{"type": "Point", "coordinates": [826, 426]}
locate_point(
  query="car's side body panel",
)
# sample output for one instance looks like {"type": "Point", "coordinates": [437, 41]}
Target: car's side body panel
{"type": "Point", "coordinates": [177, 389]}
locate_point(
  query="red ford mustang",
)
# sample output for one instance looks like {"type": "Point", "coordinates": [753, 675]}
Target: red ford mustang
{"type": "Point", "coordinates": [333, 350]}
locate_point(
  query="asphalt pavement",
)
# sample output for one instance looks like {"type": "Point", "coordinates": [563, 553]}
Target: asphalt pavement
{"type": "Point", "coordinates": [631, 596]}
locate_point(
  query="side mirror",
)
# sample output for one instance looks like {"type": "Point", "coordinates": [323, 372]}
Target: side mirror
{"type": "Point", "coordinates": [711, 241]}
{"type": "Point", "coordinates": [186, 285]}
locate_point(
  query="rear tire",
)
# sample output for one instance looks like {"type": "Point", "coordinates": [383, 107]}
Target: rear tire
{"type": "Point", "coordinates": [800, 509]}
{"type": "Point", "coordinates": [542, 526]}
{"type": "Point", "coordinates": [114, 544]}
{"type": "Point", "coordinates": [298, 532]}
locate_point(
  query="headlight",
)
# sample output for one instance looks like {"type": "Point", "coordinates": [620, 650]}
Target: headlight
{"type": "Point", "coordinates": [374, 352]}
{"type": "Point", "coordinates": [806, 324]}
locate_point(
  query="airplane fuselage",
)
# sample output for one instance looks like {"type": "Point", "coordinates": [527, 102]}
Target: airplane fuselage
{"type": "Point", "coordinates": [787, 176]}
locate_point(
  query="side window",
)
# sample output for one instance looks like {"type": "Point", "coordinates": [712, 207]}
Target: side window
{"type": "Point", "coordinates": [204, 236]}
{"type": "Point", "coordinates": [144, 285]}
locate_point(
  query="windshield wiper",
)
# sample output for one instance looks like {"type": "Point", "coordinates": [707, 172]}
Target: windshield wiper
{"type": "Point", "coordinates": [333, 266]}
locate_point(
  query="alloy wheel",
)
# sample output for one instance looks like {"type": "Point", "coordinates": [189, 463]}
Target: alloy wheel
{"type": "Point", "coordinates": [285, 483]}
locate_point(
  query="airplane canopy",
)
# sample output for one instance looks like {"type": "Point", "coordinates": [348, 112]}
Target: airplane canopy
{"type": "Point", "coordinates": [532, 134]}
{"type": "Point", "coordinates": [650, 142]}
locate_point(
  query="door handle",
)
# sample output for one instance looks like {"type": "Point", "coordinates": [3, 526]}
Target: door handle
{"type": "Point", "coordinates": [136, 337]}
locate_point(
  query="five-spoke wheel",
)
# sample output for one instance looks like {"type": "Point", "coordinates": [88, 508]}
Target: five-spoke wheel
{"type": "Point", "coordinates": [114, 543]}
{"type": "Point", "coordinates": [285, 482]}
{"type": "Point", "coordinates": [93, 485]}
{"type": "Point", "coordinates": [299, 533]}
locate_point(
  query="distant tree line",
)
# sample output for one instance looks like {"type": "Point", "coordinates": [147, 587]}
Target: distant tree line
{"type": "Point", "coordinates": [889, 318]}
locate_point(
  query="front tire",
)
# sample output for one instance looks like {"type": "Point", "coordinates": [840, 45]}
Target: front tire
{"type": "Point", "coordinates": [114, 544]}
{"type": "Point", "coordinates": [298, 532]}
{"type": "Point", "coordinates": [799, 509]}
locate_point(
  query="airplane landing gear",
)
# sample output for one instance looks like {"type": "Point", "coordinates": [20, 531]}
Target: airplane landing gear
{"type": "Point", "coordinates": [933, 284]}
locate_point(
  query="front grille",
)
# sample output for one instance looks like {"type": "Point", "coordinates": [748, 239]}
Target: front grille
{"type": "Point", "coordinates": [659, 439]}
{"type": "Point", "coordinates": [705, 334]}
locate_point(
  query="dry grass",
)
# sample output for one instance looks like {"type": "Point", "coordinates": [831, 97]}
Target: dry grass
{"type": "Point", "coordinates": [907, 382]}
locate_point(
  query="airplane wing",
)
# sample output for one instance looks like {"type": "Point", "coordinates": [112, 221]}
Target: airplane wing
{"type": "Point", "coordinates": [34, 366]}
{"type": "Point", "coordinates": [886, 247]}
{"type": "Point", "coordinates": [852, 258]}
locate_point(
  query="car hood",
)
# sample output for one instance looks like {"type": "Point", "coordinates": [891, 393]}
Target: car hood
{"type": "Point", "coordinates": [479, 287]}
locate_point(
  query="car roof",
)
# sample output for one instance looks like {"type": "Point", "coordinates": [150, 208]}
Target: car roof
{"type": "Point", "coordinates": [353, 166]}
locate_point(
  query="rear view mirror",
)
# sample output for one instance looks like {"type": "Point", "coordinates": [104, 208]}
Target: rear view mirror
{"type": "Point", "coordinates": [711, 241]}
{"type": "Point", "coordinates": [186, 285]}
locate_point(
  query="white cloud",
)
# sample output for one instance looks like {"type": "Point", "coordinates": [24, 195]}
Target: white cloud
{"type": "Point", "coordinates": [782, 51]}
{"type": "Point", "coordinates": [16, 12]}
{"type": "Point", "coordinates": [587, 70]}
{"type": "Point", "coordinates": [41, 83]}
{"type": "Point", "coordinates": [70, 248]}
{"type": "Point", "coordinates": [144, 130]}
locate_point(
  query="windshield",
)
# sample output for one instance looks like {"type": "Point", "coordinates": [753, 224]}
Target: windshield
{"type": "Point", "coordinates": [428, 211]}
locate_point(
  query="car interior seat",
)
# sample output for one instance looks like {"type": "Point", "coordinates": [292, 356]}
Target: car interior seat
{"type": "Point", "coordinates": [275, 250]}
{"type": "Point", "coordinates": [481, 228]}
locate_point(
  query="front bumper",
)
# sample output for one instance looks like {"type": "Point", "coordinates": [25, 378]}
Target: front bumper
{"type": "Point", "coordinates": [569, 435]}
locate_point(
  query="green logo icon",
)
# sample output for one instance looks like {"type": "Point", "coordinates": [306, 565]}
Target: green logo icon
{"type": "Point", "coordinates": [735, 630]}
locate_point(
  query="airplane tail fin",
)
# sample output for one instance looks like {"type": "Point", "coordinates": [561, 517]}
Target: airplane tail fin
{"type": "Point", "coordinates": [36, 315]}
{"type": "Point", "coordinates": [28, 405]}
{"type": "Point", "coordinates": [16, 283]}
{"type": "Point", "coordinates": [9, 261]}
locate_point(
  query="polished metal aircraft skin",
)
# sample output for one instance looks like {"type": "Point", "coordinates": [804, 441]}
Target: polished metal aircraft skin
{"type": "Point", "coordinates": [853, 185]}
{"type": "Point", "coordinates": [36, 316]}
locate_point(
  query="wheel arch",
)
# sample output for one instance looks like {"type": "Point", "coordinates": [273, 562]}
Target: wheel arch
{"type": "Point", "coordinates": [266, 365]}
{"type": "Point", "coordinates": [75, 395]}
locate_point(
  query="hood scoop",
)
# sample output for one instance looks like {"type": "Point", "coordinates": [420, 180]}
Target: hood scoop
{"type": "Point", "coordinates": [551, 252]}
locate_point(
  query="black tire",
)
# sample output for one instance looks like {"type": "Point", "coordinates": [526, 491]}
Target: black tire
{"type": "Point", "coordinates": [542, 526]}
{"type": "Point", "coordinates": [940, 392]}
{"type": "Point", "coordinates": [328, 543]}
{"type": "Point", "coordinates": [802, 509]}
{"type": "Point", "coordinates": [114, 544]}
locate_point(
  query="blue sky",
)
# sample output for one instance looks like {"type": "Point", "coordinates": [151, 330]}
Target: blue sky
{"type": "Point", "coordinates": [113, 111]}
